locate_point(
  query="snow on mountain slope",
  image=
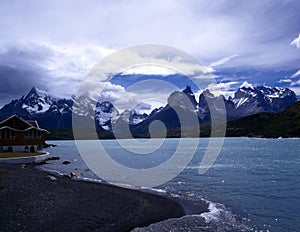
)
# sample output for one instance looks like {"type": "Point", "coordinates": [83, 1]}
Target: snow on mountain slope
{"type": "Point", "coordinates": [37, 101]}
{"type": "Point", "coordinates": [55, 112]}
{"type": "Point", "coordinates": [252, 100]}
{"type": "Point", "coordinates": [105, 115]}
{"type": "Point", "coordinates": [51, 112]}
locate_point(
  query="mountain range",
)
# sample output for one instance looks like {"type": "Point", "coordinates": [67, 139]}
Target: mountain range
{"type": "Point", "coordinates": [55, 112]}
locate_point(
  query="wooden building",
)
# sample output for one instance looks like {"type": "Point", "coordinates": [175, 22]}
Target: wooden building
{"type": "Point", "coordinates": [17, 134]}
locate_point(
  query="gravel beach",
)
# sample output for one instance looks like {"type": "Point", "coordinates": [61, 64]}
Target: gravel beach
{"type": "Point", "coordinates": [33, 200]}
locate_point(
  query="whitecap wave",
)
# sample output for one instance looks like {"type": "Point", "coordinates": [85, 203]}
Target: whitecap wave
{"type": "Point", "coordinates": [218, 219]}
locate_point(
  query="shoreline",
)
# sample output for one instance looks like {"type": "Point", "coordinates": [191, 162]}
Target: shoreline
{"type": "Point", "coordinates": [32, 200]}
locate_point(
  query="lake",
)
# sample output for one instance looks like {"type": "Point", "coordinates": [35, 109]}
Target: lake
{"type": "Point", "coordinates": [253, 185]}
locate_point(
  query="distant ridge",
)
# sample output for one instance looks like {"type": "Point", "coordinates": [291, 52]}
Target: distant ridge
{"type": "Point", "coordinates": [268, 125]}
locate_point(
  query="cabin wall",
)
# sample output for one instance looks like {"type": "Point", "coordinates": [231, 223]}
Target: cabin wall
{"type": "Point", "coordinates": [25, 148]}
{"type": "Point", "coordinates": [20, 139]}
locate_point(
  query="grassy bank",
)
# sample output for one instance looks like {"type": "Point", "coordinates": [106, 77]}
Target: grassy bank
{"type": "Point", "coordinates": [19, 154]}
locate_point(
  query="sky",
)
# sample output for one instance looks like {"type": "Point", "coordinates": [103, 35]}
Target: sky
{"type": "Point", "coordinates": [53, 45]}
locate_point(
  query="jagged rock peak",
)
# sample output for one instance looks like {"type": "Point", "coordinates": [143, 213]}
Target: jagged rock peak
{"type": "Point", "coordinates": [33, 90]}
{"type": "Point", "coordinates": [32, 93]}
{"type": "Point", "coordinates": [185, 98]}
{"type": "Point", "coordinates": [207, 93]}
{"type": "Point", "coordinates": [35, 93]}
{"type": "Point", "coordinates": [188, 90]}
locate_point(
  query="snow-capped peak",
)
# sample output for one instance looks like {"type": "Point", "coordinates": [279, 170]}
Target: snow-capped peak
{"type": "Point", "coordinates": [37, 101]}
{"type": "Point", "coordinates": [247, 85]}
{"type": "Point", "coordinates": [250, 100]}
{"type": "Point", "coordinates": [105, 114]}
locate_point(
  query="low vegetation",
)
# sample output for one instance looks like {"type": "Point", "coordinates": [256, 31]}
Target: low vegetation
{"type": "Point", "coordinates": [284, 124]}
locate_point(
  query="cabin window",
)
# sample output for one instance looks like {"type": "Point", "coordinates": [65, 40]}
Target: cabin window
{"type": "Point", "coordinates": [29, 134]}
{"type": "Point", "coordinates": [12, 135]}
{"type": "Point", "coordinates": [32, 134]}
{"type": "Point", "coordinates": [3, 134]}
{"type": "Point", "coordinates": [7, 134]}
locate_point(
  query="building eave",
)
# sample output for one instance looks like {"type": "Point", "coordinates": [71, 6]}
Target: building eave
{"type": "Point", "coordinates": [30, 128]}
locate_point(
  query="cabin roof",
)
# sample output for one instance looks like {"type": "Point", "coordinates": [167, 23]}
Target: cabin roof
{"type": "Point", "coordinates": [32, 124]}
{"type": "Point", "coordinates": [27, 129]}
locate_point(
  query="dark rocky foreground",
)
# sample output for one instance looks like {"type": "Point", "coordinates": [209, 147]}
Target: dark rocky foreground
{"type": "Point", "coordinates": [31, 200]}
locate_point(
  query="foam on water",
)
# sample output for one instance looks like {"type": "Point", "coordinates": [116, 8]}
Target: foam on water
{"type": "Point", "coordinates": [213, 213]}
{"type": "Point", "coordinates": [222, 218]}
{"type": "Point", "coordinates": [51, 171]}
{"type": "Point", "coordinates": [218, 219]}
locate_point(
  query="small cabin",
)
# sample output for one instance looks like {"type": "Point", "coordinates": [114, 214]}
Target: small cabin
{"type": "Point", "coordinates": [19, 135]}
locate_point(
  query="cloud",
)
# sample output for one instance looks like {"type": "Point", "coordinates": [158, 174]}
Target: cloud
{"type": "Point", "coordinates": [224, 88]}
{"type": "Point", "coordinates": [296, 74]}
{"type": "Point", "coordinates": [111, 92]}
{"type": "Point", "coordinates": [295, 83]}
{"type": "Point", "coordinates": [20, 69]}
{"type": "Point", "coordinates": [222, 61]}
{"type": "Point", "coordinates": [53, 46]}
{"type": "Point", "coordinates": [206, 29]}
{"type": "Point", "coordinates": [296, 42]}
{"type": "Point", "coordinates": [296, 89]}
{"type": "Point", "coordinates": [121, 98]}
{"type": "Point", "coordinates": [143, 60]}
{"type": "Point", "coordinates": [149, 70]}
{"type": "Point", "coordinates": [61, 69]}
{"type": "Point", "coordinates": [285, 80]}
{"type": "Point", "coordinates": [143, 108]}
{"type": "Point", "coordinates": [143, 96]}
{"type": "Point", "coordinates": [57, 69]}
{"type": "Point", "coordinates": [152, 92]}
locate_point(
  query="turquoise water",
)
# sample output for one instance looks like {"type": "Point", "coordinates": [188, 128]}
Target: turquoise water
{"type": "Point", "coordinates": [254, 182]}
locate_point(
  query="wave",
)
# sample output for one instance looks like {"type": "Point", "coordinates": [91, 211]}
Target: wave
{"type": "Point", "coordinates": [222, 219]}
{"type": "Point", "coordinates": [50, 170]}
{"type": "Point", "coordinates": [218, 219]}
{"type": "Point", "coordinates": [213, 166]}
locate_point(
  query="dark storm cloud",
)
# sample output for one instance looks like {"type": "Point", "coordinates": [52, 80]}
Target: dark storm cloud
{"type": "Point", "coordinates": [16, 81]}
{"type": "Point", "coordinates": [21, 68]}
{"type": "Point", "coordinates": [24, 65]}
